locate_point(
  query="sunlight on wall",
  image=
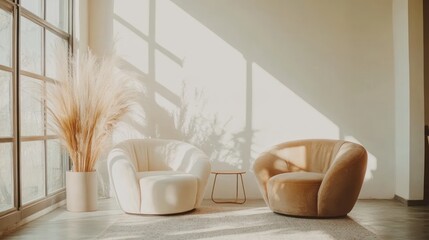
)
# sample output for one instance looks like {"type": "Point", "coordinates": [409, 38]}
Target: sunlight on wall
{"type": "Point", "coordinates": [125, 47]}
{"type": "Point", "coordinates": [172, 24]}
{"type": "Point", "coordinates": [199, 88]}
{"type": "Point", "coordinates": [210, 66]}
{"type": "Point", "coordinates": [132, 126]}
{"type": "Point", "coordinates": [279, 114]}
{"type": "Point", "coordinates": [130, 25]}
{"type": "Point", "coordinates": [126, 40]}
{"type": "Point", "coordinates": [135, 13]}
{"type": "Point", "coordinates": [169, 73]}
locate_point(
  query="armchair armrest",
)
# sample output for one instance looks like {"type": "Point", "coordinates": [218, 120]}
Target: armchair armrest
{"type": "Point", "coordinates": [266, 166]}
{"type": "Point", "coordinates": [342, 183]}
{"type": "Point", "coordinates": [124, 181]}
{"type": "Point", "coordinates": [197, 163]}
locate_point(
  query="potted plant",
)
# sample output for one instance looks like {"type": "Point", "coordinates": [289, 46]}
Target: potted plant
{"type": "Point", "coordinates": [83, 108]}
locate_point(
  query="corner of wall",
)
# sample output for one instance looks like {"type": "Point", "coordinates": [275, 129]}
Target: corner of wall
{"type": "Point", "coordinates": [409, 98]}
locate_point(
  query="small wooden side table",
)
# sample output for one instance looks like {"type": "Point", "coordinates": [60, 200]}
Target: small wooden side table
{"type": "Point", "coordinates": [230, 172]}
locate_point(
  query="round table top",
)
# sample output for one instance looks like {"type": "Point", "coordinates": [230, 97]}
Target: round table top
{"type": "Point", "coordinates": [228, 172]}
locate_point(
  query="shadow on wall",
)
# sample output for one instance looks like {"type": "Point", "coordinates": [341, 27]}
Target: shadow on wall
{"type": "Point", "coordinates": [234, 78]}
{"type": "Point", "coordinates": [187, 122]}
{"type": "Point", "coordinates": [337, 57]}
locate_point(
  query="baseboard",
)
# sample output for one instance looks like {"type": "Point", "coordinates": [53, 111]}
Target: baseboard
{"type": "Point", "coordinates": [410, 203]}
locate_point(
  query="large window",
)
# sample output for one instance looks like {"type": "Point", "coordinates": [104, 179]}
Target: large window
{"type": "Point", "coordinates": [7, 132]}
{"type": "Point", "coordinates": [32, 162]}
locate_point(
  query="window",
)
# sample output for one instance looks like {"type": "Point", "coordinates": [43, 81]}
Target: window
{"type": "Point", "coordinates": [32, 162]}
{"type": "Point", "coordinates": [6, 170]}
{"type": "Point", "coordinates": [6, 115]}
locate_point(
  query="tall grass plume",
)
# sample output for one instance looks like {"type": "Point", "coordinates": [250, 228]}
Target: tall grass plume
{"type": "Point", "coordinates": [85, 105]}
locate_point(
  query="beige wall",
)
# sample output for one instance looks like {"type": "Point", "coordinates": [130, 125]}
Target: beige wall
{"type": "Point", "coordinates": [426, 56]}
{"type": "Point", "coordinates": [235, 77]}
{"type": "Point", "coordinates": [408, 38]}
{"type": "Point", "coordinates": [402, 94]}
{"type": "Point", "coordinates": [409, 100]}
{"type": "Point", "coordinates": [417, 148]}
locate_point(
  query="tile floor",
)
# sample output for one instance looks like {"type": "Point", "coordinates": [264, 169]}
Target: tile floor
{"type": "Point", "coordinates": [388, 219]}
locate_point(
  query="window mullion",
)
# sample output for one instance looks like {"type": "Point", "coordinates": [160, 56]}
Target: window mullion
{"type": "Point", "coordinates": [45, 143]}
{"type": "Point", "coordinates": [45, 24]}
{"type": "Point", "coordinates": [16, 120]}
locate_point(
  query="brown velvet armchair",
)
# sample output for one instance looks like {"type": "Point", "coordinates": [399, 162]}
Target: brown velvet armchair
{"type": "Point", "coordinates": [312, 178]}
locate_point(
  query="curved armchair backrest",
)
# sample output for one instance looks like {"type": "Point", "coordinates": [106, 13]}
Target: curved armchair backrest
{"type": "Point", "coordinates": [130, 151]}
{"type": "Point", "coordinates": [313, 155]}
{"type": "Point", "coordinates": [159, 154]}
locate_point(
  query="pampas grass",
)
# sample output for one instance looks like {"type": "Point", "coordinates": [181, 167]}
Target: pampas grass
{"type": "Point", "coordinates": [85, 105]}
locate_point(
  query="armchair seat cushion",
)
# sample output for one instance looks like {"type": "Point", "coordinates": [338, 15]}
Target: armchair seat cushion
{"type": "Point", "coordinates": [167, 192]}
{"type": "Point", "coordinates": [295, 193]}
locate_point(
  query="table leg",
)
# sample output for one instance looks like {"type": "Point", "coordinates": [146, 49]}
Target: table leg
{"type": "Point", "coordinates": [244, 191]}
{"type": "Point", "coordinates": [214, 184]}
{"type": "Point", "coordinates": [236, 190]}
{"type": "Point", "coordinates": [236, 187]}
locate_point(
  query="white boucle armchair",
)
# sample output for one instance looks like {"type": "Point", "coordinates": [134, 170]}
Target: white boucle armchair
{"type": "Point", "coordinates": [155, 176]}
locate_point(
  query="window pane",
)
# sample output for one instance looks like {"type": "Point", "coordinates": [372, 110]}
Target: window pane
{"type": "Point", "coordinates": [55, 166]}
{"type": "Point", "coordinates": [6, 177]}
{"type": "Point", "coordinates": [50, 125]}
{"type": "Point", "coordinates": [5, 104]}
{"type": "Point", "coordinates": [34, 6]}
{"type": "Point", "coordinates": [31, 108]}
{"type": "Point", "coordinates": [5, 38]}
{"type": "Point", "coordinates": [53, 45]}
{"type": "Point", "coordinates": [32, 171]}
{"type": "Point", "coordinates": [31, 46]}
{"type": "Point", "coordinates": [57, 13]}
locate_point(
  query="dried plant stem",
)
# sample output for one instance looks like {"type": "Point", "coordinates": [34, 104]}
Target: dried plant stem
{"type": "Point", "coordinates": [84, 107]}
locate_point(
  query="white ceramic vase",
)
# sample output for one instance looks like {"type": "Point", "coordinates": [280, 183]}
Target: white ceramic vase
{"type": "Point", "coordinates": [81, 189]}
